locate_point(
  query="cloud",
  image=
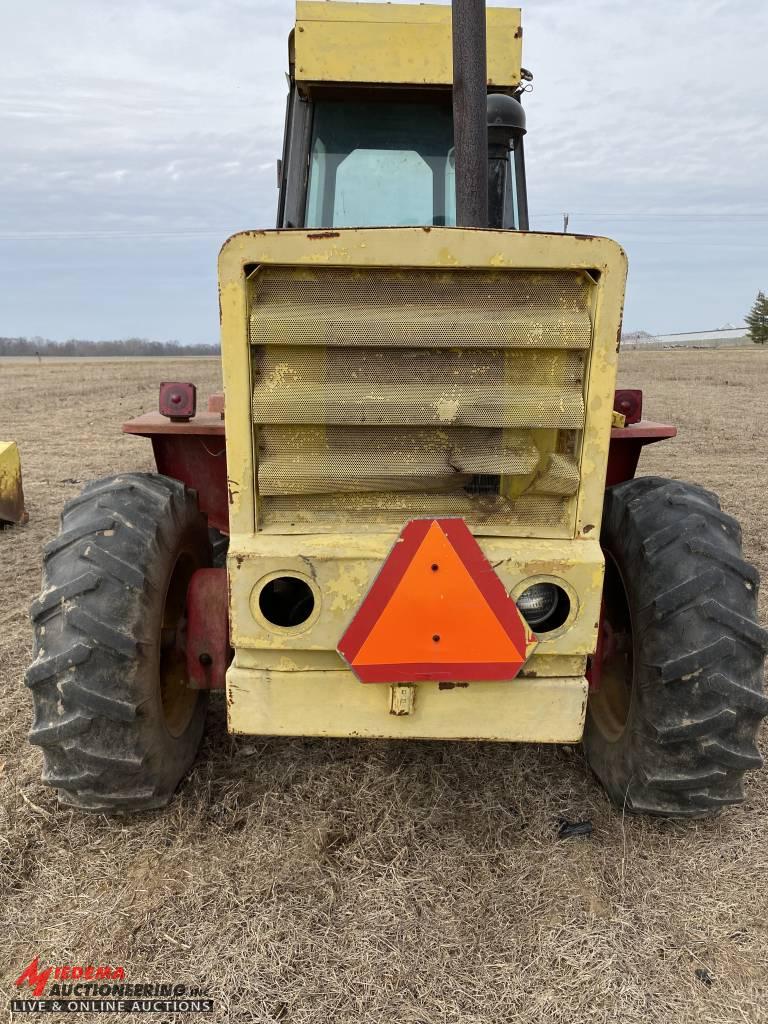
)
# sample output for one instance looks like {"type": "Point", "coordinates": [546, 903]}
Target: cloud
{"type": "Point", "coordinates": [149, 131]}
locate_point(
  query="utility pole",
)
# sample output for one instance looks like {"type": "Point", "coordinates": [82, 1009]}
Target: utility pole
{"type": "Point", "coordinates": [566, 218]}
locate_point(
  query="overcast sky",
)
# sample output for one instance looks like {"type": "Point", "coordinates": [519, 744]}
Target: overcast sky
{"type": "Point", "coordinates": [135, 137]}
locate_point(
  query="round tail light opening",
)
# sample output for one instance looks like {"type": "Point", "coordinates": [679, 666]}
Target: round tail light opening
{"type": "Point", "coordinates": [544, 606]}
{"type": "Point", "coordinates": [286, 601]}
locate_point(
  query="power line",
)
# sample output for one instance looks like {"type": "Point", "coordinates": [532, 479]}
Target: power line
{"type": "Point", "coordinates": [631, 215]}
{"type": "Point", "coordinates": [52, 236]}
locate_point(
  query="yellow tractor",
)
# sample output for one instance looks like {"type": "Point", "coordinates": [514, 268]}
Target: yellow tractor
{"type": "Point", "coordinates": [421, 469]}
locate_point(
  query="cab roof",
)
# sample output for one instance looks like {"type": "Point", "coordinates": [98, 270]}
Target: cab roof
{"type": "Point", "coordinates": [395, 44]}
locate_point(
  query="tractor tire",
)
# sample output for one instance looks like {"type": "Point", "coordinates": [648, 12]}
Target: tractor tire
{"type": "Point", "coordinates": [672, 727]}
{"type": "Point", "coordinates": [113, 714]}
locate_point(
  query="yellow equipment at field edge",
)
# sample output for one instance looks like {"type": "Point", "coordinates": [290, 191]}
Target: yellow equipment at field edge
{"type": "Point", "coordinates": [11, 492]}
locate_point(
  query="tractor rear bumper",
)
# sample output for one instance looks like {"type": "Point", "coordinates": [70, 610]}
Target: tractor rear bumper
{"type": "Point", "coordinates": [335, 703]}
{"type": "Point", "coordinates": [292, 681]}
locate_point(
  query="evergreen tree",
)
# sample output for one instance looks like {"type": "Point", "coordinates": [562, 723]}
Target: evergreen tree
{"type": "Point", "coordinates": [757, 320]}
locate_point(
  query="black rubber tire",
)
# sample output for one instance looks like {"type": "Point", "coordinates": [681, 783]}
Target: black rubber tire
{"type": "Point", "coordinates": [95, 680]}
{"type": "Point", "coordinates": [219, 547]}
{"type": "Point", "coordinates": [697, 697]}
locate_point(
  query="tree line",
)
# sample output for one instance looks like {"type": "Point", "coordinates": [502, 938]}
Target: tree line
{"type": "Point", "coordinates": [122, 347]}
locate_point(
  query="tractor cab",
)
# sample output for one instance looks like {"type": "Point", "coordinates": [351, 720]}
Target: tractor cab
{"type": "Point", "coordinates": [369, 141]}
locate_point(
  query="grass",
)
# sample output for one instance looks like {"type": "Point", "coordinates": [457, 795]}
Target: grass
{"type": "Point", "coordinates": [343, 881]}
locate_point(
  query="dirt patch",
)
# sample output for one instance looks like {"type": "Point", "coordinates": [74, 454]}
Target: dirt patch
{"type": "Point", "coordinates": [320, 881]}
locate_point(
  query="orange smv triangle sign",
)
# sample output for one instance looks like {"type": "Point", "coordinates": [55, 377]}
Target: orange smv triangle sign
{"type": "Point", "coordinates": [437, 610]}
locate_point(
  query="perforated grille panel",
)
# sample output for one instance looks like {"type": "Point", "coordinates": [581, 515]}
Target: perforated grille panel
{"type": "Point", "coordinates": [410, 387]}
{"type": "Point", "coordinates": [457, 308]}
{"type": "Point", "coordinates": [383, 395]}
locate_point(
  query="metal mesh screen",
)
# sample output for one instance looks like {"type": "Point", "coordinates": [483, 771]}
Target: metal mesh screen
{"type": "Point", "coordinates": [383, 395]}
{"type": "Point", "coordinates": [396, 508]}
{"type": "Point", "coordinates": [433, 309]}
{"type": "Point", "coordinates": [460, 387]}
{"type": "Point", "coordinates": [325, 460]}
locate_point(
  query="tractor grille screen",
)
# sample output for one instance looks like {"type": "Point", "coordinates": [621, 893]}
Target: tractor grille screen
{"type": "Point", "coordinates": [382, 395]}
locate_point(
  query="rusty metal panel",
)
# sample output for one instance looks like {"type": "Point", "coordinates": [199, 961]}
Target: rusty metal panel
{"type": "Point", "coordinates": [207, 629]}
{"type": "Point", "coordinates": [194, 452]}
{"type": "Point", "coordinates": [399, 44]}
{"type": "Point", "coordinates": [626, 444]}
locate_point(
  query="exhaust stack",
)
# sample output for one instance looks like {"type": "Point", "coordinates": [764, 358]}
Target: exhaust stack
{"type": "Point", "coordinates": [470, 132]}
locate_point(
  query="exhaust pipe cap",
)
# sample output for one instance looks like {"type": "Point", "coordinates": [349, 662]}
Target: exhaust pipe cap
{"type": "Point", "coordinates": [506, 117]}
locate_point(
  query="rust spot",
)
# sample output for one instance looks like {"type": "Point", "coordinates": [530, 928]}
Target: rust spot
{"type": "Point", "coordinates": [452, 686]}
{"type": "Point", "coordinates": [519, 32]}
{"type": "Point", "coordinates": [324, 234]}
{"type": "Point", "coordinates": [426, 228]}
{"type": "Point", "coordinates": [588, 528]}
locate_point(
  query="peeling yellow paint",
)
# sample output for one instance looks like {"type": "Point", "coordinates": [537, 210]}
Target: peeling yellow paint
{"type": "Point", "coordinates": [293, 680]}
{"type": "Point", "coordinates": [346, 586]}
{"type": "Point", "coordinates": [344, 570]}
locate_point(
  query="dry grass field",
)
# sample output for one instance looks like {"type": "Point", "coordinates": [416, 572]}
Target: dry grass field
{"type": "Point", "coordinates": [382, 883]}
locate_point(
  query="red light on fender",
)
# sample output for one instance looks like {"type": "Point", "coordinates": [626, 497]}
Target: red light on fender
{"type": "Point", "coordinates": [178, 401]}
{"type": "Point", "coordinates": [629, 402]}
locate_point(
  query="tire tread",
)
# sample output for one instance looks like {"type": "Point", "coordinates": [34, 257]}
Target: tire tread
{"type": "Point", "coordinates": [99, 741]}
{"type": "Point", "coordinates": [698, 698]}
